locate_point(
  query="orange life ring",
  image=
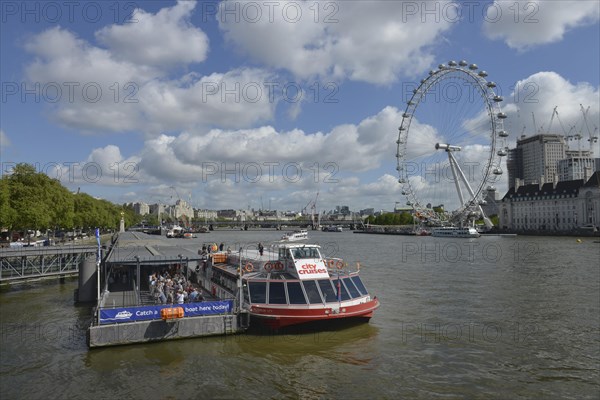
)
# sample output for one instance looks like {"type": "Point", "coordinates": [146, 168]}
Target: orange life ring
{"type": "Point", "coordinates": [331, 263]}
{"type": "Point", "coordinates": [339, 265]}
{"type": "Point", "coordinates": [268, 266]}
{"type": "Point", "coordinates": [278, 266]}
{"type": "Point", "coordinates": [249, 267]}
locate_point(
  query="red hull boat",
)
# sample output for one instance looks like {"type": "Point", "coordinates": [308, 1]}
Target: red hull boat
{"type": "Point", "coordinates": [289, 285]}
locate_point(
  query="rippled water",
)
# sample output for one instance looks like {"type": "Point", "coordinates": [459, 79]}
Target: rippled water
{"type": "Point", "coordinates": [511, 317]}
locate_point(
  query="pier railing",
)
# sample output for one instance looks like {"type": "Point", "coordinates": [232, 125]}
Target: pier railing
{"type": "Point", "coordinates": [38, 262]}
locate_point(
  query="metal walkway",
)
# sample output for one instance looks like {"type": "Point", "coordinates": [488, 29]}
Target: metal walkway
{"type": "Point", "coordinates": [39, 262]}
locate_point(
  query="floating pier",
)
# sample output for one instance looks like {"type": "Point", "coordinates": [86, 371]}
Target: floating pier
{"type": "Point", "coordinates": [127, 309]}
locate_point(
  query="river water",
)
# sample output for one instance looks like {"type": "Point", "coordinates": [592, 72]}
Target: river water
{"type": "Point", "coordinates": [487, 318]}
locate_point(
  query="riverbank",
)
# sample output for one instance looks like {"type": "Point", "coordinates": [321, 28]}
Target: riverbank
{"type": "Point", "coordinates": [576, 233]}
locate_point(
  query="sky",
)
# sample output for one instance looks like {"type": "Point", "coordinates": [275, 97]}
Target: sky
{"type": "Point", "coordinates": [277, 104]}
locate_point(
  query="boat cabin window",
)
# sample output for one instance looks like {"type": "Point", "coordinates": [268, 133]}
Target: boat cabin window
{"type": "Point", "coordinates": [284, 254]}
{"type": "Point", "coordinates": [359, 285]}
{"type": "Point", "coordinates": [276, 293]}
{"type": "Point", "coordinates": [295, 293]}
{"type": "Point", "coordinates": [305, 252]}
{"type": "Point", "coordinates": [314, 297]}
{"type": "Point", "coordinates": [258, 292]}
{"type": "Point", "coordinates": [351, 288]}
{"type": "Point", "coordinates": [327, 290]}
{"type": "Point", "coordinates": [246, 294]}
{"type": "Point", "coordinates": [340, 286]}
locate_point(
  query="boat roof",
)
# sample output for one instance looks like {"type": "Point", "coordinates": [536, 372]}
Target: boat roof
{"type": "Point", "coordinates": [293, 245]}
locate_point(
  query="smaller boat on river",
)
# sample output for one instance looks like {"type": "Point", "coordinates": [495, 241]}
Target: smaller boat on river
{"type": "Point", "coordinates": [455, 232]}
{"type": "Point", "coordinates": [302, 234]}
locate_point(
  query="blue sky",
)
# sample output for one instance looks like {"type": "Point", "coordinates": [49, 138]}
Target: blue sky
{"type": "Point", "coordinates": [265, 104]}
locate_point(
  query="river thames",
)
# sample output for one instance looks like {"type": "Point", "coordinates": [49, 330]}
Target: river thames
{"type": "Point", "coordinates": [488, 318]}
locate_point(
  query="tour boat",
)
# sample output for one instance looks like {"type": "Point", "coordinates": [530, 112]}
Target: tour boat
{"type": "Point", "coordinates": [175, 232]}
{"type": "Point", "coordinates": [302, 234]}
{"type": "Point", "coordinates": [456, 232]}
{"type": "Point", "coordinates": [289, 285]}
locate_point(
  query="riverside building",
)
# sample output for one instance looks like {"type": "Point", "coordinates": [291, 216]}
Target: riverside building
{"type": "Point", "coordinates": [553, 206]}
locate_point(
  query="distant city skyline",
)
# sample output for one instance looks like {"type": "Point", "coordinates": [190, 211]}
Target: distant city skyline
{"type": "Point", "coordinates": [250, 104]}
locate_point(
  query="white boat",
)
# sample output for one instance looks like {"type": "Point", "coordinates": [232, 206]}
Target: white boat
{"type": "Point", "coordinates": [302, 234]}
{"type": "Point", "coordinates": [175, 232]}
{"type": "Point", "coordinates": [455, 232]}
{"type": "Point", "coordinates": [289, 285]}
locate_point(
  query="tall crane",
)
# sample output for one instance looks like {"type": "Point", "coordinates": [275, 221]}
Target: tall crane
{"type": "Point", "coordinates": [592, 136]}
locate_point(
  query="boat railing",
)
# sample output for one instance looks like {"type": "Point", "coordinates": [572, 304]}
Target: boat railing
{"type": "Point", "coordinates": [334, 262]}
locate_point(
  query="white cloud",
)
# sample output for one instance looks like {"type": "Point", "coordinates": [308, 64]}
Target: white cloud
{"type": "Point", "coordinates": [233, 99]}
{"type": "Point", "coordinates": [285, 167]}
{"type": "Point", "coordinates": [94, 89]}
{"type": "Point", "coordinates": [527, 23]}
{"type": "Point", "coordinates": [4, 140]}
{"type": "Point", "coordinates": [539, 94]}
{"type": "Point", "coordinates": [164, 39]}
{"type": "Point", "coordinates": [348, 148]}
{"type": "Point", "coordinates": [104, 166]}
{"type": "Point", "coordinates": [374, 41]}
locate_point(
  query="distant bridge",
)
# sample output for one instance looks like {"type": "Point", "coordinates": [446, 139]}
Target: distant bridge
{"type": "Point", "coordinates": [273, 224]}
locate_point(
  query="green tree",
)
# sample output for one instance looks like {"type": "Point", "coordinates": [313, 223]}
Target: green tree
{"type": "Point", "coordinates": [7, 213]}
{"type": "Point", "coordinates": [32, 200]}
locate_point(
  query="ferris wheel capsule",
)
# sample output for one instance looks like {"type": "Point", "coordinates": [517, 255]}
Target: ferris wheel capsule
{"type": "Point", "coordinates": [503, 133]}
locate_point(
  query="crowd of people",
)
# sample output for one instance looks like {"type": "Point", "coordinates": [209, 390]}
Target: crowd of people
{"type": "Point", "coordinates": [167, 289]}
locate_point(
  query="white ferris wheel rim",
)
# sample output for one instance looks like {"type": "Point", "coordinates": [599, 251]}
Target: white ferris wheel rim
{"type": "Point", "coordinates": [489, 101]}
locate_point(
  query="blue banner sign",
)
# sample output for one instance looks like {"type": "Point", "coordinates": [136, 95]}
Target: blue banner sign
{"type": "Point", "coordinates": [144, 313]}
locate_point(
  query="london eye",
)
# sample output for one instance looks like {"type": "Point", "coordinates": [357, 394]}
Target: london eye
{"type": "Point", "coordinates": [450, 145]}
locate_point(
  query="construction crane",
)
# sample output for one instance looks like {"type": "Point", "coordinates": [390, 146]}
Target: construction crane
{"type": "Point", "coordinates": [593, 136]}
{"type": "Point", "coordinates": [313, 207]}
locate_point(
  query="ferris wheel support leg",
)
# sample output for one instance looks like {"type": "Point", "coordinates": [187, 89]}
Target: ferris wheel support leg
{"type": "Point", "coordinates": [462, 175]}
{"type": "Point", "coordinates": [453, 163]}
{"type": "Point", "coordinates": [488, 223]}
{"type": "Point", "coordinates": [453, 167]}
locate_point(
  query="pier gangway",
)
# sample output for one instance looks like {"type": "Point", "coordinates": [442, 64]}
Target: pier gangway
{"type": "Point", "coordinates": [31, 263]}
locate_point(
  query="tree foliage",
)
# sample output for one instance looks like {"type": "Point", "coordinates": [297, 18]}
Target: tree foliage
{"type": "Point", "coordinates": [32, 200]}
{"type": "Point", "coordinates": [390, 219]}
